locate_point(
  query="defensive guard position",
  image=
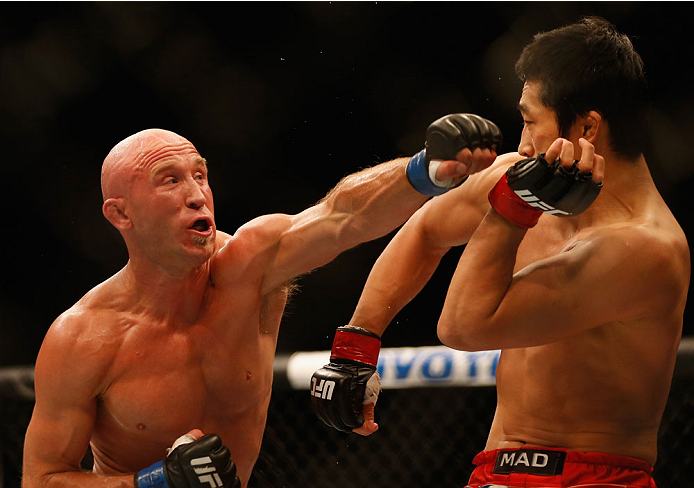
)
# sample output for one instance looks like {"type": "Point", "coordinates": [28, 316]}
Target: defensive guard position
{"type": "Point", "coordinates": [178, 346]}
{"type": "Point", "coordinates": [575, 268]}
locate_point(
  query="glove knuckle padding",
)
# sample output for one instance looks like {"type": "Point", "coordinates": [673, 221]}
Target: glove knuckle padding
{"type": "Point", "coordinates": [208, 452]}
{"type": "Point", "coordinates": [342, 409]}
{"type": "Point", "coordinates": [338, 388]}
{"type": "Point", "coordinates": [566, 190]}
{"type": "Point", "coordinates": [447, 136]}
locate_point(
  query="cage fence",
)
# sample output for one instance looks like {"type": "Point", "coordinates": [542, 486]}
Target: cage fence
{"type": "Point", "coordinates": [434, 416]}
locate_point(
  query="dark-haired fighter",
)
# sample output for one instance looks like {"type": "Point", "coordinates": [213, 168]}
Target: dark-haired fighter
{"type": "Point", "coordinates": [182, 339]}
{"type": "Point", "coordinates": [585, 301]}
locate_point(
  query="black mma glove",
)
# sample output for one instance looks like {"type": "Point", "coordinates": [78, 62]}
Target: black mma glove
{"type": "Point", "coordinates": [350, 380]}
{"type": "Point", "coordinates": [445, 138]}
{"type": "Point", "coordinates": [202, 463]}
{"type": "Point", "coordinates": [533, 186]}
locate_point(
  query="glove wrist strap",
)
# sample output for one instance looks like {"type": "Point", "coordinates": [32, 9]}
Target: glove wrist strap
{"type": "Point", "coordinates": [419, 177]}
{"type": "Point", "coordinates": [512, 207]}
{"type": "Point", "coordinates": [152, 477]}
{"type": "Point", "coordinates": [356, 344]}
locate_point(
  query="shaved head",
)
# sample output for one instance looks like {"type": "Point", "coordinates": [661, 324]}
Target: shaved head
{"type": "Point", "coordinates": [136, 152]}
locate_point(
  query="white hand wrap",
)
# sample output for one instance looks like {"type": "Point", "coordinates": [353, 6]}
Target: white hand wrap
{"type": "Point", "coordinates": [433, 166]}
{"type": "Point", "coordinates": [373, 389]}
{"type": "Point", "coordinates": [184, 439]}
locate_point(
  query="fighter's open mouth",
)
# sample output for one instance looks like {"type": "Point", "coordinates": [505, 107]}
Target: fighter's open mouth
{"type": "Point", "coordinates": [200, 225]}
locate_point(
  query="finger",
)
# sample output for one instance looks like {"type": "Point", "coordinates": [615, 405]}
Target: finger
{"type": "Point", "coordinates": [585, 165]}
{"type": "Point", "coordinates": [464, 156]}
{"type": "Point", "coordinates": [567, 154]}
{"type": "Point", "coordinates": [598, 169]}
{"type": "Point", "coordinates": [369, 426]}
{"type": "Point", "coordinates": [482, 158]}
{"type": "Point", "coordinates": [365, 430]}
{"type": "Point", "coordinates": [486, 158]}
{"type": "Point", "coordinates": [451, 169]}
{"type": "Point", "coordinates": [197, 433]}
{"type": "Point", "coordinates": [191, 436]}
{"type": "Point", "coordinates": [554, 150]}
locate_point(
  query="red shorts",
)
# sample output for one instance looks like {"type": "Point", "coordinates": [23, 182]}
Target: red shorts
{"type": "Point", "coordinates": [558, 468]}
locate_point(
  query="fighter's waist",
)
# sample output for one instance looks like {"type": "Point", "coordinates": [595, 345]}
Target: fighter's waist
{"type": "Point", "coordinates": [552, 461]}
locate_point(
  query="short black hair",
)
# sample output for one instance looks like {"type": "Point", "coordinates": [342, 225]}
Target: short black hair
{"type": "Point", "coordinates": [585, 66]}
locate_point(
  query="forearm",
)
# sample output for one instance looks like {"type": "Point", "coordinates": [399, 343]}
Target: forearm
{"type": "Point", "coordinates": [399, 274]}
{"type": "Point", "coordinates": [480, 284]}
{"type": "Point", "coordinates": [77, 479]}
{"type": "Point", "coordinates": [374, 201]}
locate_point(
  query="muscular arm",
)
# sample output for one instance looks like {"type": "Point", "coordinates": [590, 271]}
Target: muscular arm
{"type": "Point", "coordinates": [362, 207]}
{"type": "Point", "coordinates": [66, 384]}
{"type": "Point", "coordinates": [410, 259]}
{"type": "Point", "coordinates": [599, 280]}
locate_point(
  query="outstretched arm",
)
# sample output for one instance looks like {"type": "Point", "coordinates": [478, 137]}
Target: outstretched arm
{"type": "Point", "coordinates": [349, 381]}
{"type": "Point", "coordinates": [373, 202]}
{"type": "Point", "coordinates": [399, 274]}
{"type": "Point", "coordinates": [412, 256]}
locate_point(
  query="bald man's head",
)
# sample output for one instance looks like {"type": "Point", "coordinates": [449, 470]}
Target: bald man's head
{"type": "Point", "coordinates": [136, 152]}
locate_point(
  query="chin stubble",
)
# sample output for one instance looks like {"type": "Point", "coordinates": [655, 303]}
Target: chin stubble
{"type": "Point", "coordinates": [201, 241]}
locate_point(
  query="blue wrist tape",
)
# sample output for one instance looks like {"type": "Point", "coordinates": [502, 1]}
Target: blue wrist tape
{"type": "Point", "coordinates": [152, 477]}
{"type": "Point", "coordinates": [418, 175]}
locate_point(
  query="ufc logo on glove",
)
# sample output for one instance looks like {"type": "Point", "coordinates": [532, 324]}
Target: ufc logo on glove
{"type": "Point", "coordinates": [323, 390]}
{"type": "Point", "coordinates": [192, 463]}
{"type": "Point", "coordinates": [207, 473]}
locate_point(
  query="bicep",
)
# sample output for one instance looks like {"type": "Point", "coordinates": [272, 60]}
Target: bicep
{"type": "Point", "coordinates": [300, 243]}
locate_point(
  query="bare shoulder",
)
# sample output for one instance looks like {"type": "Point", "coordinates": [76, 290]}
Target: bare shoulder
{"type": "Point", "coordinates": [264, 231]}
{"type": "Point", "coordinates": [81, 343]}
{"type": "Point", "coordinates": [648, 255]}
{"type": "Point", "coordinates": [255, 237]}
{"type": "Point", "coordinates": [653, 244]}
{"type": "Point", "coordinates": [251, 248]}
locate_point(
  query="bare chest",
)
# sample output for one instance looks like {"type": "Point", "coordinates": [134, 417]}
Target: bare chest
{"type": "Point", "coordinates": [168, 378]}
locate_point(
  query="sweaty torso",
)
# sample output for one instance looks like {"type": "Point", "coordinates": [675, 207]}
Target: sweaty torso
{"type": "Point", "coordinates": [169, 375]}
{"type": "Point", "coordinates": [603, 389]}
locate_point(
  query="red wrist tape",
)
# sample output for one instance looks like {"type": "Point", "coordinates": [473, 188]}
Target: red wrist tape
{"type": "Point", "coordinates": [356, 344]}
{"type": "Point", "coordinates": [511, 207]}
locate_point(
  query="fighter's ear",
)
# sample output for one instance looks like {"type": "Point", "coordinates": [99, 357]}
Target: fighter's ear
{"type": "Point", "coordinates": [115, 212]}
{"type": "Point", "coordinates": [591, 126]}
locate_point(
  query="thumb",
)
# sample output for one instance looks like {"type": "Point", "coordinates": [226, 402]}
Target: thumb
{"type": "Point", "coordinates": [191, 436]}
{"type": "Point", "coordinates": [445, 170]}
{"type": "Point", "coordinates": [197, 433]}
{"type": "Point", "coordinates": [369, 426]}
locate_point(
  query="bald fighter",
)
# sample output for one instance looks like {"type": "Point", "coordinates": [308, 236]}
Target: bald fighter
{"type": "Point", "coordinates": [165, 369]}
{"type": "Point", "coordinates": [574, 267]}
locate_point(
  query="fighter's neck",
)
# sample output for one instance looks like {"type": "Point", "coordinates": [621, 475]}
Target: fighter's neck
{"type": "Point", "coordinates": [165, 294]}
{"type": "Point", "coordinates": [627, 189]}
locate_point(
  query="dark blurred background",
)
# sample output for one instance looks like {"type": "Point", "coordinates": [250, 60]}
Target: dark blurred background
{"type": "Point", "coordinates": [283, 99]}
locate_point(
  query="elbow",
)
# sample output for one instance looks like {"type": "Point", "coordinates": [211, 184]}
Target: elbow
{"type": "Point", "coordinates": [458, 334]}
{"type": "Point", "coordinates": [30, 480]}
